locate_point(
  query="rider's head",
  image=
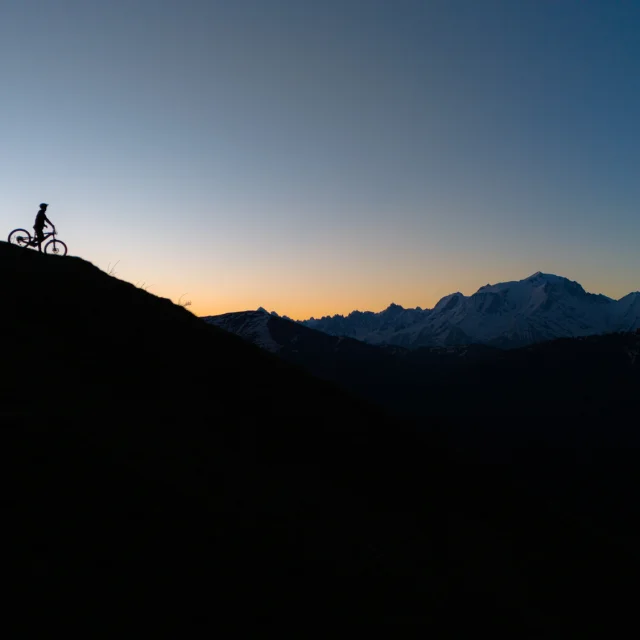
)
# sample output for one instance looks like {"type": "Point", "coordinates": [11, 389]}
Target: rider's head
{"type": "Point", "coordinates": [44, 205]}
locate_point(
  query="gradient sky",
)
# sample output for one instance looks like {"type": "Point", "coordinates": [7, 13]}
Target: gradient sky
{"type": "Point", "coordinates": [318, 157]}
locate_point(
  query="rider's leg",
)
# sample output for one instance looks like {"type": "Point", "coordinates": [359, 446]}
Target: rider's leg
{"type": "Point", "coordinates": [39, 238]}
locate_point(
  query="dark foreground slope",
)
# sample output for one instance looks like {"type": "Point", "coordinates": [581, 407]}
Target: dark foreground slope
{"type": "Point", "coordinates": [160, 470]}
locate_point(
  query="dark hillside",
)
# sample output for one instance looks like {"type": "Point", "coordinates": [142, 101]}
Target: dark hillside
{"type": "Point", "coordinates": [161, 470]}
{"type": "Point", "coordinates": [86, 335]}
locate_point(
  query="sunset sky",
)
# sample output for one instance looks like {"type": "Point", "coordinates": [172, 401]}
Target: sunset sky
{"type": "Point", "coordinates": [315, 157]}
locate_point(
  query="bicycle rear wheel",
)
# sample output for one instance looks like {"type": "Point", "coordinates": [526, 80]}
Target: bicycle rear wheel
{"type": "Point", "coordinates": [56, 247]}
{"type": "Point", "coordinates": [20, 237]}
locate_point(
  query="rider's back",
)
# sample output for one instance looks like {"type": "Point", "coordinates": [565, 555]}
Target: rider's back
{"type": "Point", "coordinates": [41, 219]}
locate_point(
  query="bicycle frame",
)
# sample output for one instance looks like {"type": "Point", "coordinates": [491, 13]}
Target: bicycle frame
{"type": "Point", "coordinates": [45, 235]}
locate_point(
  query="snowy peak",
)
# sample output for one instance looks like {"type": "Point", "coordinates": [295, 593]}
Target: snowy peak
{"type": "Point", "coordinates": [251, 325]}
{"type": "Point", "coordinates": [393, 308]}
{"type": "Point", "coordinates": [540, 307]}
{"type": "Point", "coordinates": [628, 310]}
{"type": "Point", "coordinates": [449, 302]}
{"type": "Point", "coordinates": [539, 281]}
{"type": "Point", "coordinates": [538, 276]}
{"type": "Point", "coordinates": [630, 298]}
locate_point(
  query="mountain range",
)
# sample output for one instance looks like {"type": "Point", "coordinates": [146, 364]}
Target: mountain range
{"type": "Point", "coordinates": [506, 315]}
{"type": "Point", "coordinates": [584, 376]}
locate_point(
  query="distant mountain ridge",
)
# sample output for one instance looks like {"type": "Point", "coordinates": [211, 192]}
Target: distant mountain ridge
{"type": "Point", "coordinates": [582, 376]}
{"type": "Point", "coordinates": [507, 315]}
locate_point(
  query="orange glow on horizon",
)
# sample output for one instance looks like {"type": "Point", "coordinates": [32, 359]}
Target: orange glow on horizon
{"type": "Point", "coordinates": [305, 304]}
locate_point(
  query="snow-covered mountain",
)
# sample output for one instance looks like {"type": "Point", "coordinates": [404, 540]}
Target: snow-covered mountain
{"type": "Point", "coordinates": [583, 376]}
{"type": "Point", "coordinates": [253, 326]}
{"type": "Point", "coordinates": [286, 337]}
{"type": "Point", "coordinates": [509, 314]}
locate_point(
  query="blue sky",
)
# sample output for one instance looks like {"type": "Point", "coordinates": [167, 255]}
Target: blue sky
{"type": "Point", "coordinates": [317, 157]}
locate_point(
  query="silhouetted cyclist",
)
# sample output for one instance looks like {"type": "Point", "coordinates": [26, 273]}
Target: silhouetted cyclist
{"type": "Point", "coordinates": [41, 222]}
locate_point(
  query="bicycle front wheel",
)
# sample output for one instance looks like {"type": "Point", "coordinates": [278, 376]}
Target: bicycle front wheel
{"type": "Point", "coordinates": [20, 237]}
{"type": "Point", "coordinates": [56, 247]}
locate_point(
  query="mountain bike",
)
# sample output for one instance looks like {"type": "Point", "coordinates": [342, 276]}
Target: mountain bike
{"type": "Point", "coordinates": [22, 238]}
